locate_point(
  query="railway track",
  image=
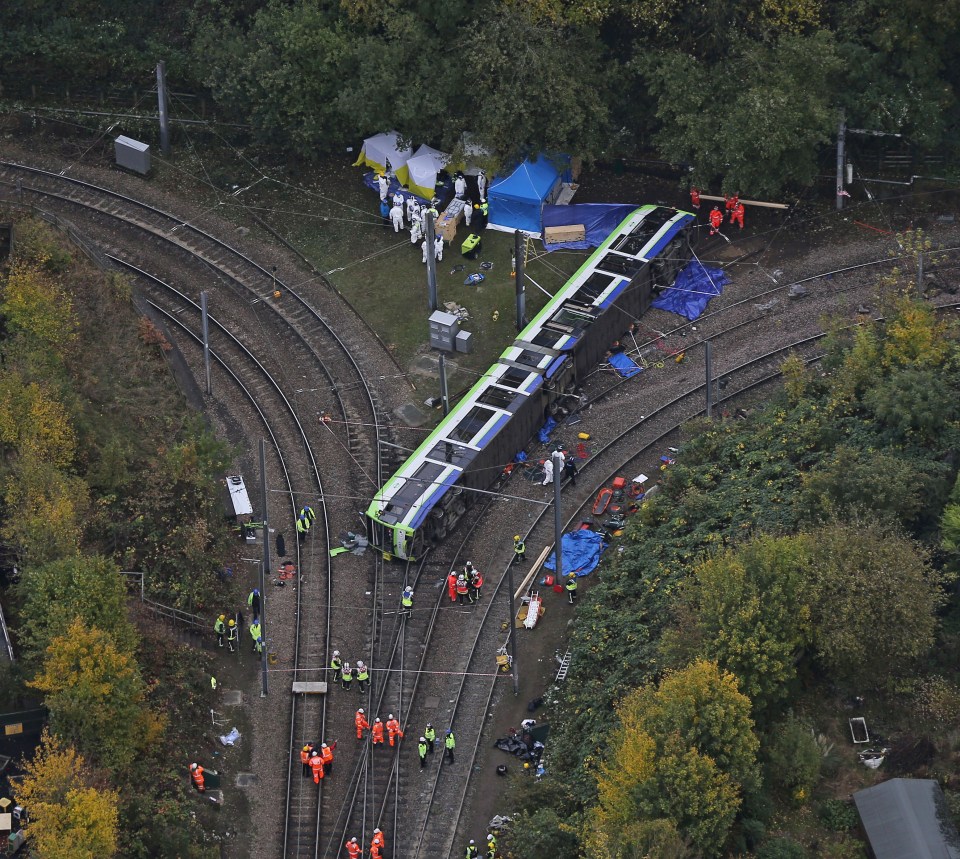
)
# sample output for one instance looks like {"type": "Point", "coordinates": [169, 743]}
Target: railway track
{"type": "Point", "coordinates": [382, 787]}
{"type": "Point", "coordinates": [475, 674]}
{"type": "Point", "coordinates": [292, 447]}
{"type": "Point", "coordinates": [295, 335]}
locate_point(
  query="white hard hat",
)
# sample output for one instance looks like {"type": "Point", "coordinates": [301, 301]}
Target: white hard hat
{"type": "Point", "coordinates": [323, 745]}
{"type": "Point", "coordinates": [360, 710]}
{"type": "Point", "coordinates": [390, 716]}
{"type": "Point", "coordinates": [336, 652]}
{"type": "Point", "coordinates": [377, 719]}
{"type": "Point", "coordinates": [423, 739]}
{"type": "Point", "coordinates": [375, 831]}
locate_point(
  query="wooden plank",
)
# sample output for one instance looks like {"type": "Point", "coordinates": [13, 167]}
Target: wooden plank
{"type": "Point", "coordinates": [763, 204]}
{"type": "Point", "coordinates": [533, 571]}
{"type": "Point", "coordinates": [305, 688]}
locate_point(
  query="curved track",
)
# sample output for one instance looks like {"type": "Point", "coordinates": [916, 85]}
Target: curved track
{"type": "Point", "coordinates": [306, 340]}
{"type": "Point", "coordinates": [384, 790]}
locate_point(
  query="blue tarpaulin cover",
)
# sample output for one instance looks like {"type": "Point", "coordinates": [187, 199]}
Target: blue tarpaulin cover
{"type": "Point", "coordinates": [625, 366]}
{"type": "Point", "coordinates": [581, 552]}
{"type": "Point", "coordinates": [598, 219]}
{"type": "Point", "coordinates": [692, 290]}
{"type": "Point", "coordinates": [546, 429]}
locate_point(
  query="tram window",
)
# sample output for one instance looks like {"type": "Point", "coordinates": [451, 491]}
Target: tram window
{"type": "Point", "coordinates": [571, 318]}
{"type": "Point", "coordinates": [475, 420]}
{"type": "Point", "coordinates": [448, 451]}
{"type": "Point", "coordinates": [593, 286]}
{"type": "Point", "coordinates": [513, 378]}
{"type": "Point", "coordinates": [546, 338]}
{"type": "Point", "coordinates": [497, 398]}
{"type": "Point", "coordinates": [415, 486]}
{"type": "Point", "coordinates": [531, 359]}
{"type": "Point", "coordinates": [620, 264]}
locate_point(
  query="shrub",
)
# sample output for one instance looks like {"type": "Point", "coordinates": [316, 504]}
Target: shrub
{"type": "Point", "coordinates": [781, 848]}
{"type": "Point", "coordinates": [838, 815]}
{"type": "Point", "coordinates": [793, 758]}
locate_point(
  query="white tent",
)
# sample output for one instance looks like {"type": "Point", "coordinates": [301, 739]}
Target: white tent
{"type": "Point", "coordinates": [423, 168]}
{"type": "Point", "coordinates": [380, 149]}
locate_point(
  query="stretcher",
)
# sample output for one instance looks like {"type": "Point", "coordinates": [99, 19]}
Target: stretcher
{"type": "Point", "coordinates": [602, 501]}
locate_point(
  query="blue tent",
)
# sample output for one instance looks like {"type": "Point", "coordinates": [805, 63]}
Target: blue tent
{"type": "Point", "coordinates": [516, 200]}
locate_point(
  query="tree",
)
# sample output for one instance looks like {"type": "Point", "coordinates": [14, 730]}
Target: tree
{"type": "Point", "coordinates": [756, 115]}
{"type": "Point", "coordinates": [96, 696]}
{"type": "Point", "coordinates": [749, 612]}
{"type": "Point", "coordinates": [852, 483]}
{"type": "Point", "coordinates": [911, 406]}
{"type": "Point", "coordinates": [693, 792]}
{"type": "Point", "coordinates": [69, 817]}
{"type": "Point", "coordinates": [45, 507]}
{"type": "Point", "coordinates": [704, 708]}
{"type": "Point", "coordinates": [80, 586]}
{"type": "Point", "coordinates": [874, 600]}
{"type": "Point", "coordinates": [681, 752]}
{"type": "Point", "coordinates": [34, 422]}
{"type": "Point", "coordinates": [36, 304]}
{"type": "Point", "coordinates": [538, 86]}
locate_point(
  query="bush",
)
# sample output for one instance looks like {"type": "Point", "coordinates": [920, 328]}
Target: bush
{"type": "Point", "coordinates": [937, 700]}
{"type": "Point", "coordinates": [793, 757]}
{"type": "Point", "coordinates": [838, 815]}
{"type": "Point", "coordinates": [781, 848]}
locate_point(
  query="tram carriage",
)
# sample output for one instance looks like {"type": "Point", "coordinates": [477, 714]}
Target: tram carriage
{"type": "Point", "coordinates": [425, 499]}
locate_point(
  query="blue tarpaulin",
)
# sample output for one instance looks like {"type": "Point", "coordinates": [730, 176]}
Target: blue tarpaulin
{"type": "Point", "coordinates": [692, 290]}
{"type": "Point", "coordinates": [581, 552]}
{"type": "Point", "coordinates": [625, 366]}
{"type": "Point", "coordinates": [598, 219]}
{"type": "Point", "coordinates": [546, 429]}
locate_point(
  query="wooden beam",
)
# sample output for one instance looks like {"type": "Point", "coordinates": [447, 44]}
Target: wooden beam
{"type": "Point", "coordinates": [760, 203]}
{"type": "Point", "coordinates": [533, 571]}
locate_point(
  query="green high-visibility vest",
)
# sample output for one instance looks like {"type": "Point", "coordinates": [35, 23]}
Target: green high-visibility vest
{"type": "Point", "coordinates": [422, 748]}
{"type": "Point", "coordinates": [363, 675]}
{"type": "Point", "coordinates": [519, 547]}
{"type": "Point", "coordinates": [450, 742]}
{"type": "Point", "coordinates": [484, 208]}
{"type": "Point", "coordinates": [219, 626]}
{"type": "Point", "coordinates": [572, 583]}
{"type": "Point", "coordinates": [335, 663]}
{"type": "Point", "coordinates": [255, 631]}
{"type": "Point", "coordinates": [407, 602]}
{"type": "Point", "coordinates": [430, 734]}
{"type": "Point", "coordinates": [348, 675]}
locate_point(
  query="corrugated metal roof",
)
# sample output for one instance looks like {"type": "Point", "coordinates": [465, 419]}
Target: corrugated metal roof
{"type": "Point", "coordinates": [908, 818]}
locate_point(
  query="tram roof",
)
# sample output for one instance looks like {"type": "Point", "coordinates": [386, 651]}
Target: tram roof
{"type": "Point", "coordinates": [409, 495]}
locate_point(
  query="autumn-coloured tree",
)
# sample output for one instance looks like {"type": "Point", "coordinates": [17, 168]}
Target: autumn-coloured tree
{"type": "Point", "coordinates": [70, 818]}
{"type": "Point", "coordinates": [35, 303]}
{"type": "Point", "coordinates": [681, 752]}
{"type": "Point", "coordinates": [96, 696]}
{"type": "Point", "coordinates": [45, 507]}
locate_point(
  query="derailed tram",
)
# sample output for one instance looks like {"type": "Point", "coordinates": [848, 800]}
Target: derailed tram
{"type": "Point", "coordinates": [429, 494]}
